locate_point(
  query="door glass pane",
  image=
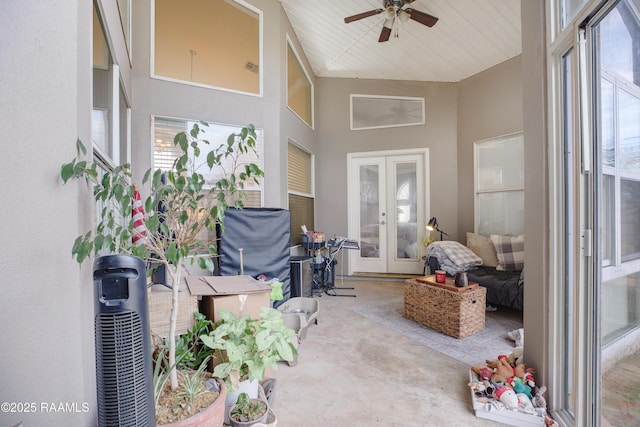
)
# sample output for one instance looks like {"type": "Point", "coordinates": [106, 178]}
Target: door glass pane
{"type": "Point", "coordinates": [569, 280]}
{"type": "Point", "coordinates": [608, 219]}
{"type": "Point", "coordinates": [618, 288]}
{"type": "Point", "coordinates": [607, 124]}
{"type": "Point", "coordinates": [406, 211]}
{"type": "Point", "coordinates": [369, 211]}
{"type": "Point", "coordinates": [569, 9]}
{"type": "Point", "coordinates": [620, 301]}
{"type": "Point", "coordinates": [630, 219]}
{"type": "Point", "coordinates": [629, 125]}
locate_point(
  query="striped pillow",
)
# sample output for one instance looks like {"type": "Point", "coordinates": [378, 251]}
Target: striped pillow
{"type": "Point", "coordinates": [510, 252]}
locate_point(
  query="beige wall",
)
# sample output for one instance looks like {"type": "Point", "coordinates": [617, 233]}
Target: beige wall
{"type": "Point", "coordinates": [158, 97]}
{"type": "Point", "coordinates": [46, 301]}
{"type": "Point", "coordinates": [336, 140]}
{"type": "Point", "coordinates": [536, 293]}
{"type": "Point", "coordinates": [457, 114]}
{"type": "Point", "coordinates": [489, 105]}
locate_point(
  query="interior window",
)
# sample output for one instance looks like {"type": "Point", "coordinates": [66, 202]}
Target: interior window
{"type": "Point", "coordinates": [102, 117]}
{"type": "Point", "coordinates": [124, 8]}
{"type": "Point", "coordinates": [499, 185]}
{"type": "Point", "coordinates": [377, 111]}
{"type": "Point", "coordinates": [300, 189]}
{"type": "Point", "coordinates": [213, 43]}
{"type": "Point", "coordinates": [165, 152]}
{"type": "Point", "coordinates": [299, 87]}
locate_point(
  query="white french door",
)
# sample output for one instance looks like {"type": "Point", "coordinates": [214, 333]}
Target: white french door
{"type": "Point", "coordinates": [387, 211]}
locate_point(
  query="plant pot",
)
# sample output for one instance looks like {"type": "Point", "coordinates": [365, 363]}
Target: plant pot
{"type": "Point", "coordinates": [293, 321]}
{"type": "Point", "coordinates": [246, 386]}
{"type": "Point", "coordinates": [306, 308]}
{"type": "Point", "coordinates": [261, 420]}
{"type": "Point", "coordinates": [211, 416]}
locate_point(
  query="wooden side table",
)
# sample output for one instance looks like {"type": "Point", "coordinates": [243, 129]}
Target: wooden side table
{"type": "Point", "coordinates": [457, 312]}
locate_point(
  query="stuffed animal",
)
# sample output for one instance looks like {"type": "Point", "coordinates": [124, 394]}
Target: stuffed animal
{"type": "Point", "coordinates": [538, 399]}
{"type": "Point", "coordinates": [519, 386]}
{"type": "Point", "coordinates": [484, 373]}
{"type": "Point", "coordinates": [507, 396]}
{"type": "Point", "coordinates": [478, 387]}
{"type": "Point", "coordinates": [503, 369]}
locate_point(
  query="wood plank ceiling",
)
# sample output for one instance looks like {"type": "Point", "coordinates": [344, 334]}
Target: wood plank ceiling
{"type": "Point", "coordinates": [469, 37]}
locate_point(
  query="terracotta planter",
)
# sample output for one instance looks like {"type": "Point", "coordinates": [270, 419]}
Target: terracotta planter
{"type": "Point", "coordinates": [211, 416]}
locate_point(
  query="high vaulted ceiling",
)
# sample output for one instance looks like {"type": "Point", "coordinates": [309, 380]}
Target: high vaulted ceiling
{"type": "Point", "coordinates": [469, 37]}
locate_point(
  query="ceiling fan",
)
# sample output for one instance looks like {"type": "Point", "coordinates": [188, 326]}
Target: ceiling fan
{"type": "Point", "coordinates": [395, 9]}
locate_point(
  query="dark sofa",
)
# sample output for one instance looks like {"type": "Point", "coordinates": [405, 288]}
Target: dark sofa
{"type": "Point", "coordinates": [504, 288]}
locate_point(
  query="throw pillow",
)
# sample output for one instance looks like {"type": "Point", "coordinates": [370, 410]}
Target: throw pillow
{"type": "Point", "coordinates": [509, 251]}
{"type": "Point", "coordinates": [483, 247]}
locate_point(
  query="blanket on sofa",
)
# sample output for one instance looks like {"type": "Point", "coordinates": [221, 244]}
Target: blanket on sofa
{"type": "Point", "coordinates": [453, 256]}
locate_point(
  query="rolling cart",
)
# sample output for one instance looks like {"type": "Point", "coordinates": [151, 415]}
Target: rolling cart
{"type": "Point", "coordinates": [323, 263]}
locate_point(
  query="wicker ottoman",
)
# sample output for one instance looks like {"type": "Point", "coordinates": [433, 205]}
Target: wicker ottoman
{"type": "Point", "coordinates": [458, 312]}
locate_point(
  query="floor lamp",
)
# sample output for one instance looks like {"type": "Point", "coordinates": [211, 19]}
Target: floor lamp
{"type": "Point", "coordinates": [433, 226]}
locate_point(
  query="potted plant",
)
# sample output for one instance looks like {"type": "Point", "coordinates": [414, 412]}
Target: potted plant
{"type": "Point", "coordinates": [248, 411]}
{"type": "Point", "coordinates": [244, 347]}
{"type": "Point", "coordinates": [180, 206]}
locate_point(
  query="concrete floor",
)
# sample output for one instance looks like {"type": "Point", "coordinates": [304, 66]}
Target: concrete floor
{"type": "Point", "coordinates": [352, 371]}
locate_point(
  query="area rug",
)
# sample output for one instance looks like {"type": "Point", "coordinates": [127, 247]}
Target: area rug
{"type": "Point", "coordinates": [472, 350]}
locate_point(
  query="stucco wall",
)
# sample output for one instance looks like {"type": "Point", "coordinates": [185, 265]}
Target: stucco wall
{"type": "Point", "coordinates": [538, 353]}
{"type": "Point", "coordinates": [269, 112]}
{"type": "Point", "coordinates": [335, 140]}
{"type": "Point", "coordinates": [46, 305]}
{"type": "Point", "coordinates": [46, 301]}
{"type": "Point", "coordinates": [489, 105]}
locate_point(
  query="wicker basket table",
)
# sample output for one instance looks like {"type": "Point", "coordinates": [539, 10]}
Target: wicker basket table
{"type": "Point", "coordinates": [457, 312]}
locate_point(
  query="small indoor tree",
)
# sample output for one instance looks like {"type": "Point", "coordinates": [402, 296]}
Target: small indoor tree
{"type": "Point", "coordinates": [180, 207]}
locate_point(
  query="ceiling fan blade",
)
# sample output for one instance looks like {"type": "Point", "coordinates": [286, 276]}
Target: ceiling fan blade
{"type": "Point", "coordinates": [385, 34]}
{"type": "Point", "coordinates": [421, 17]}
{"type": "Point", "coordinates": [362, 15]}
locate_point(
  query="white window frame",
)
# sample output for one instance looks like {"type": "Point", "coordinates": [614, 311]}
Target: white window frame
{"type": "Point", "coordinates": [312, 175]}
{"type": "Point", "coordinates": [250, 186]}
{"type": "Point", "coordinates": [386, 98]}
{"type": "Point", "coordinates": [289, 44]}
{"type": "Point", "coordinates": [517, 137]}
{"type": "Point", "coordinates": [242, 3]}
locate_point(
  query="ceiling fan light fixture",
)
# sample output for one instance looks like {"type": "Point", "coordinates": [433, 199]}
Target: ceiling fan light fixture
{"type": "Point", "coordinates": [404, 16]}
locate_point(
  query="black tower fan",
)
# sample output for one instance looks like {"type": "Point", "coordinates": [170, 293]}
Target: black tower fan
{"type": "Point", "coordinates": [123, 343]}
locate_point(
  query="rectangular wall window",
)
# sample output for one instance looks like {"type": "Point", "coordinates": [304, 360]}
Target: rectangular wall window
{"type": "Point", "coordinates": [377, 111]}
{"type": "Point", "coordinates": [299, 87]}
{"type": "Point", "coordinates": [124, 8]}
{"type": "Point", "coordinates": [214, 43]}
{"type": "Point", "coordinates": [165, 152]}
{"type": "Point", "coordinates": [300, 188]}
{"type": "Point", "coordinates": [499, 185]}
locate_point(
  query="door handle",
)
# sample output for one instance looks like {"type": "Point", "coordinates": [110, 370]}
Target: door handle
{"type": "Point", "coordinates": [382, 223]}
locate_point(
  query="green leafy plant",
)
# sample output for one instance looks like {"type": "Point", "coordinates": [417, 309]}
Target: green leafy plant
{"type": "Point", "coordinates": [180, 206]}
{"type": "Point", "coordinates": [247, 409]}
{"type": "Point", "coordinates": [189, 349]}
{"type": "Point", "coordinates": [192, 383]}
{"type": "Point", "coordinates": [161, 371]}
{"type": "Point", "coordinates": [246, 346]}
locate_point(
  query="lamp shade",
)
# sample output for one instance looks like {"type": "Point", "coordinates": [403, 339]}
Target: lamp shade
{"type": "Point", "coordinates": [433, 224]}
